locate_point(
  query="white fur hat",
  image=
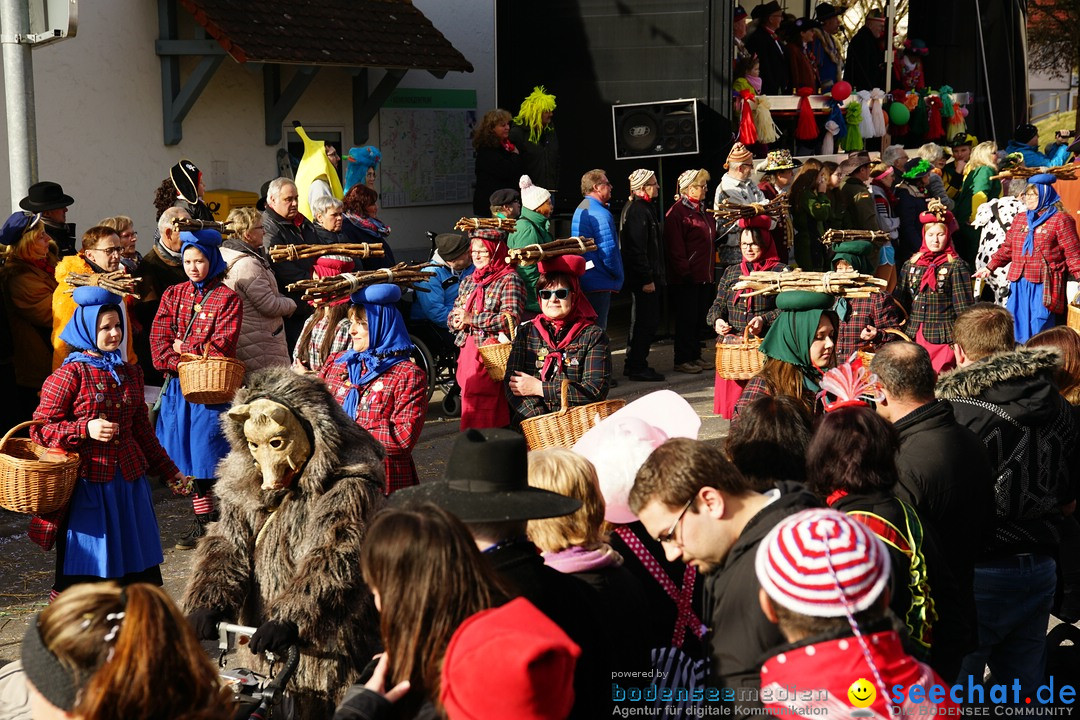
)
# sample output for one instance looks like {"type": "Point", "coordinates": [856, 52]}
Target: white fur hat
{"type": "Point", "coordinates": [532, 197]}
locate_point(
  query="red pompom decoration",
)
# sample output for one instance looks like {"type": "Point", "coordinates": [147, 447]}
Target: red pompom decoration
{"type": "Point", "coordinates": [841, 91]}
{"type": "Point", "coordinates": [807, 128]}
{"type": "Point", "coordinates": [747, 131]}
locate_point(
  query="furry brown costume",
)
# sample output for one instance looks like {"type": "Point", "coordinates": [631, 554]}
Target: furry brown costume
{"type": "Point", "coordinates": [300, 562]}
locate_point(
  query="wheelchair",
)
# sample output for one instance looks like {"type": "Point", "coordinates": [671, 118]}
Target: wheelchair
{"type": "Point", "coordinates": [437, 355]}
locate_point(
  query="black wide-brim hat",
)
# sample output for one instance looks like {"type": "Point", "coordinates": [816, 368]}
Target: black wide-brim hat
{"type": "Point", "coordinates": [826, 11]}
{"type": "Point", "coordinates": [44, 196]}
{"type": "Point", "coordinates": [765, 10]}
{"type": "Point", "coordinates": [487, 480]}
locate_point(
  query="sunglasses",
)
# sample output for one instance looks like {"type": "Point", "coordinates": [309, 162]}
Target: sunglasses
{"type": "Point", "coordinates": [560, 294]}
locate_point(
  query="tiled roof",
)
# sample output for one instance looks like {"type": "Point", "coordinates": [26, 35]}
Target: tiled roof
{"type": "Point", "coordinates": [354, 33]}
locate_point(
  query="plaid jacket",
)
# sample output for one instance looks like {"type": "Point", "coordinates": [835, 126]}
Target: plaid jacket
{"type": "Point", "coordinates": [505, 295]}
{"type": "Point", "coordinates": [878, 310]}
{"type": "Point", "coordinates": [935, 312]}
{"type": "Point", "coordinates": [341, 342]}
{"type": "Point", "coordinates": [1057, 248]}
{"type": "Point", "coordinates": [77, 393]}
{"type": "Point", "coordinates": [217, 324]}
{"type": "Point", "coordinates": [738, 313]}
{"type": "Point", "coordinates": [586, 364]}
{"type": "Point", "coordinates": [392, 408]}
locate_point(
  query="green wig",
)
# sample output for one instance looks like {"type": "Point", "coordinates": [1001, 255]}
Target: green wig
{"type": "Point", "coordinates": [532, 108]}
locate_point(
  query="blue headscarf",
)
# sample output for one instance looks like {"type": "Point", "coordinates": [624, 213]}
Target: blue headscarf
{"type": "Point", "coordinates": [1048, 196]}
{"type": "Point", "coordinates": [16, 225]}
{"type": "Point", "coordinates": [388, 340]}
{"type": "Point", "coordinates": [81, 330]}
{"type": "Point", "coordinates": [207, 242]}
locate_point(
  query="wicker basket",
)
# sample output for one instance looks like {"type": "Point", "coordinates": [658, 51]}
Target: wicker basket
{"type": "Point", "coordinates": [565, 426]}
{"type": "Point", "coordinates": [739, 361]}
{"type": "Point", "coordinates": [1074, 315]}
{"type": "Point", "coordinates": [29, 484]}
{"type": "Point", "coordinates": [496, 355]}
{"type": "Point", "coordinates": [206, 380]}
{"type": "Point", "coordinates": [867, 356]}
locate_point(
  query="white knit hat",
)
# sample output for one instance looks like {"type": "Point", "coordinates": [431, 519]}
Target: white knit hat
{"type": "Point", "coordinates": [639, 177]}
{"type": "Point", "coordinates": [532, 197]}
{"type": "Point", "coordinates": [822, 563]}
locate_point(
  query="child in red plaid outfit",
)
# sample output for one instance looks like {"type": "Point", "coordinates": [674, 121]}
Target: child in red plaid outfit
{"type": "Point", "coordinates": [201, 315]}
{"type": "Point", "coordinates": [93, 405]}
{"type": "Point", "coordinates": [378, 384]}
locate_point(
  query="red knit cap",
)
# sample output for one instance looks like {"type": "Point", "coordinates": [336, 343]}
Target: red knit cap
{"type": "Point", "coordinates": [822, 563]}
{"type": "Point", "coordinates": [509, 662]}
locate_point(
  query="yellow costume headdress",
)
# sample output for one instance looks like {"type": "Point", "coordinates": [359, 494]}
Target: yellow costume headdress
{"type": "Point", "coordinates": [532, 108]}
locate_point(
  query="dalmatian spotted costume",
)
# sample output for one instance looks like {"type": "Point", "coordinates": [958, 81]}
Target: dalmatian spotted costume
{"type": "Point", "coordinates": [993, 219]}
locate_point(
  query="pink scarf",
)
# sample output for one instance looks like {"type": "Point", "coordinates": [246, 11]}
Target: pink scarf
{"type": "Point", "coordinates": [578, 559]}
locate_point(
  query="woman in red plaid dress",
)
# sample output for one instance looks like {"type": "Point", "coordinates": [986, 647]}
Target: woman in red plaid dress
{"type": "Point", "coordinates": [93, 405]}
{"type": "Point", "coordinates": [378, 384]}
{"type": "Point", "coordinates": [201, 315]}
{"type": "Point", "coordinates": [488, 300]}
{"type": "Point", "coordinates": [733, 311]}
{"type": "Point", "coordinates": [562, 343]}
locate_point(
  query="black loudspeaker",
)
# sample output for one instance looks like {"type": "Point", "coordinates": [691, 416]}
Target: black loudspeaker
{"type": "Point", "coordinates": [655, 129]}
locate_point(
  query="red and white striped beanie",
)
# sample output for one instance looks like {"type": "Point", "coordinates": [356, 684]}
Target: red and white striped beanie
{"type": "Point", "coordinates": [822, 563]}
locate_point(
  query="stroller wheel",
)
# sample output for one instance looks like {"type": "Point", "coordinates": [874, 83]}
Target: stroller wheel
{"type": "Point", "coordinates": [451, 405]}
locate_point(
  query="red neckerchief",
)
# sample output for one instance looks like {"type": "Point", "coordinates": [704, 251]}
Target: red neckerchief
{"type": "Point", "coordinates": [933, 261]}
{"type": "Point", "coordinates": [42, 265]}
{"type": "Point", "coordinates": [508, 146]}
{"type": "Point", "coordinates": [769, 260]}
{"type": "Point", "coordinates": [496, 268]}
{"type": "Point", "coordinates": [580, 317]}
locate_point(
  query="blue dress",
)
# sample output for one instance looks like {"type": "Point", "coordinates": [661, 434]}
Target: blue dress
{"type": "Point", "coordinates": [1030, 315]}
{"type": "Point", "coordinates": [191, 433]}
{"type": "Point", "coordinates": [112, 529]}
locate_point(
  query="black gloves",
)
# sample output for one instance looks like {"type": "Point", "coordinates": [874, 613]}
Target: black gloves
{"type": "Point", "coordinates": [205, 621]}
{"type": "Point", "coordinates": [275, 636]}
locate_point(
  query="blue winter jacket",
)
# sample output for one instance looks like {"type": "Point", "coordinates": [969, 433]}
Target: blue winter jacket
{"type": "Point", "coordinates": [437, 303]}
{"type": "Point", "coordinates": [593, 220]}
{"type": "Point", "coordinates": [1059, 153]}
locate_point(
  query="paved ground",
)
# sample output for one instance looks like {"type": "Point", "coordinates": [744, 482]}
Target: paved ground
{"type": "Point", "coordinates": [26, 572]}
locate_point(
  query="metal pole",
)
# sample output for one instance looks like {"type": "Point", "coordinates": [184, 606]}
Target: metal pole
{"type": "Point", "coordinates": [889, 51]}
{"type": "Point", "coordinates": [19, 97]}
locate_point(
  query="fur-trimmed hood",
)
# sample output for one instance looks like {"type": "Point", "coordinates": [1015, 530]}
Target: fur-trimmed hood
{"type": "Point", "coordinates": [339, 447]}
{"type": "Point", "coordinates": [1017, 380]}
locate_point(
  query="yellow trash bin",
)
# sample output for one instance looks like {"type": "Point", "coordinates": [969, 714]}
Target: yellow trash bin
{"type": "Point", "coordinates": [222, 202]}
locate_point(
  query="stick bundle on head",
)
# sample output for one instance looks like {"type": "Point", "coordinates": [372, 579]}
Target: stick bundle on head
{"type": "Point", "coordinates": [840, 283]}
{"type": "Point", "coordinates": [1064, 172]}
{"type": "Point", "coordinates": [192, 224]}
{"type": "Point", "coordinates": [506, 224]}
{"type": "Point", "coordinates": [835, 237]}
{"type": "Point", "coordinates": [338, 287]}
{"type": "Point", "coordinates": [778, 208]}
{"type": "Point", "coordinates": [532, 254]}
{"type": "Point", "coordinates": [118, 282]}
{"type": "Point", "coordinates": [289, 253]}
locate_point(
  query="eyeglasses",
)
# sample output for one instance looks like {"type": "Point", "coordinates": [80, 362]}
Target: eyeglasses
{"type": "Point", "coordinates": [115, 250]}
{"type": "Point", "coordinates": [559, 294]}
{"type": "Point", "coordinates": [479, 253]}
{"type": "Point", "coordinates": [669, 536]}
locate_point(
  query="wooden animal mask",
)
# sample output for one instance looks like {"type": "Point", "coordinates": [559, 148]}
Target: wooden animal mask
{"type": "Point", "coordinates": [276, 440]}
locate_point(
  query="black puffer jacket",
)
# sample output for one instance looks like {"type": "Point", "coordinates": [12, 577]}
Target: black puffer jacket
{"type": "Point", "coordinates": [1009, 401]}
{"type": "Point", "coordinates": [740, 634]}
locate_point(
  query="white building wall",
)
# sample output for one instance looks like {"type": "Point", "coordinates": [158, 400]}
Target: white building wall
{"type": "Point", "coordinates": [99, 123]}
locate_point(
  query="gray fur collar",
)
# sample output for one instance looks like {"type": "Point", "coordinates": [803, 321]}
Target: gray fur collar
{"type": "Point", "coordinates": [340, 447]}
{"type": "Point", "coordinates": [977, 378]}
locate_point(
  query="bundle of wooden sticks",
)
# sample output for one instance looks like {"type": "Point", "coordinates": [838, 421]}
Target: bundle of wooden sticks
{"type": "Point", "coordinates": [778, 208]}
{"type": "Point", "coordinates": [532, 254]}
{"type": "Point", "coordinates": [282, 253]}
{"type": "Point", "coordinates": [118, 282]}
{"type": "Point", "coordinates": [191, 224]}
{"type": "Point", "coordinates": [833, 236]}
{"type": "Point", "coordinates": [506, 224]}
{"type": "Point", "coordinates": [326, 290]}
{"type": "Point", "coordinates": [844, 283]}
{"type": "Point", "coordinates": [1065, 172]}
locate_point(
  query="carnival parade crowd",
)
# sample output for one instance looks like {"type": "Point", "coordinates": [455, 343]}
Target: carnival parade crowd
{"type": "Point", "coordinates": [894, 502]}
